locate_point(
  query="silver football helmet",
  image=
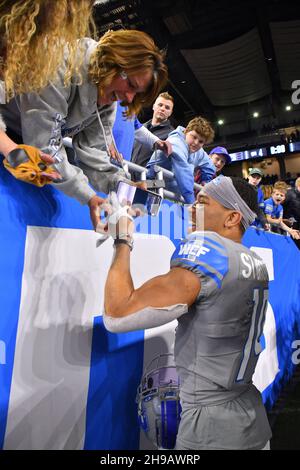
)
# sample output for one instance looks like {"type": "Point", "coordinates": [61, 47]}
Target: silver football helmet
{"type": "Point", "coordinates": [158, 401]}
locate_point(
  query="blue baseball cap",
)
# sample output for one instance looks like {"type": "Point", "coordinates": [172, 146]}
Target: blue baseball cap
{"type": "Point", "coordinates": [221, 151]}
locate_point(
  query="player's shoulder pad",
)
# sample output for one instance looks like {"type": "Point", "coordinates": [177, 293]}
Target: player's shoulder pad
{"type": "Point", "coordinates": [205, 254]}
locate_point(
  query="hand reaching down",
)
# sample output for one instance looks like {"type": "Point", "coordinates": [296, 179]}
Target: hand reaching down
{"type": "Point", "coordinates": [165, 146]}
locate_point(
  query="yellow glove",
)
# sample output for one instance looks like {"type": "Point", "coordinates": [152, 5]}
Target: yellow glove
{"type": "Point", "coordinates": [25, 164]}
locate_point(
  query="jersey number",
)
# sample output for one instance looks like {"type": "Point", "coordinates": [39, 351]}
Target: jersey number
{"type": "Point", "coordinates": [260, 298]}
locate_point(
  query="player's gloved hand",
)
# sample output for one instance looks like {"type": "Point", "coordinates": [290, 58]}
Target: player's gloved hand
{"type": "Point", "coordinates": [119, 223]}
{"type": "Point", "coordinates": [30, 165]}
{"type": "Point", "coordinates": [196, 214]}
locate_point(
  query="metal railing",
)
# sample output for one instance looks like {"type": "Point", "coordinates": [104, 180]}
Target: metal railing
{"type": "Point", "coordinates": [160, 175]}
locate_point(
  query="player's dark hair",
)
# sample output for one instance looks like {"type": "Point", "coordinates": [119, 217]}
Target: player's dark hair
{"type": "Point", "coordinates": [247, 192]}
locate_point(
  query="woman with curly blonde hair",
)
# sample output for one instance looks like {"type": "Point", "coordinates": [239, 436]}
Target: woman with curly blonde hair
{"type": "Point", "coordinates": [33, 39]}
{"type": "Point", "coordinates": [34, 34]}
{"type": "Point", "coordinates": [125, 66]}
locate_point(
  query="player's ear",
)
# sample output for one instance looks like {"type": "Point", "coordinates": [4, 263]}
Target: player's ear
{"type": "Point", "coordinates": [233, 219]}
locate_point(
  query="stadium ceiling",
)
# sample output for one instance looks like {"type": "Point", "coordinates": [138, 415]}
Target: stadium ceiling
{"type": "Point", "coordinates": [225, 59]}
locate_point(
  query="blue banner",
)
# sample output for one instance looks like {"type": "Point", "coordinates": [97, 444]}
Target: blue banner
{"type": "Point", "coordinates": [66, 382]}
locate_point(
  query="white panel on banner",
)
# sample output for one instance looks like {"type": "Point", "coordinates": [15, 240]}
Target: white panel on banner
{"type": "Point", "coordinates": [266, 255]}
{"type": "Point", "coordinates": [62, 286]}
{"type": "Point", "coordinates": [62, 291]}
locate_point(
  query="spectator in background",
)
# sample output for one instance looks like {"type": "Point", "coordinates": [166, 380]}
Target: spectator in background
{"type": "Point", "coordinates": [187, 154]}
{"type": "Point", "coordinates": [274, 179]}
{"type": "Point", "coordinates": [159, 125]}
{"type": "Point", "coordinates": [254, 178]}
{"type": "Point", "coordinates": [291, 207]}
{"type": "Point", "coordinates": [290, 181]}
{"type": "Point", "coordinates": [274, 210]}
{"type": "Point", "coordinates": [126, 131]}
{"type": "Point", "coordinates": [220, 157]}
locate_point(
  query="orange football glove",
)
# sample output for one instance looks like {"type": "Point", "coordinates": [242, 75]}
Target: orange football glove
{"type": "Point", "coordinates": [25, 164]}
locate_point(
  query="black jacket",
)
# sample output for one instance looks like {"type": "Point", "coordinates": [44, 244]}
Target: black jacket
{"type": "Point", "coordinates": [141, 154]}
{"type": "Point", "coordinates": [291, 206]}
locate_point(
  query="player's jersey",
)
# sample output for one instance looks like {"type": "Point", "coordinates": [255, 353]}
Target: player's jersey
{"type": "Point", "coordinates": [217, 341]}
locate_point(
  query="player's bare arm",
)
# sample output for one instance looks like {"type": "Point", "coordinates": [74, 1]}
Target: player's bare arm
{"type": "Point", "coordinates": [178, 286]}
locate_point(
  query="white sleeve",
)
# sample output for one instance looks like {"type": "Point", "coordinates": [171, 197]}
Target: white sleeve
{"type": "Point", "coordinates": [145, 137]}
{"type": "Point", "coordinates": [149, 317]}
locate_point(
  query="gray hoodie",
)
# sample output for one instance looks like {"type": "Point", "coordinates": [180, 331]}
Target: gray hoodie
{"type": "Point", "coordinates": [57, 111]}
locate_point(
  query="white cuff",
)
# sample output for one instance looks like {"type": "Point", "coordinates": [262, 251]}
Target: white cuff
{"type": "Point", "coordinates": [149, 317]}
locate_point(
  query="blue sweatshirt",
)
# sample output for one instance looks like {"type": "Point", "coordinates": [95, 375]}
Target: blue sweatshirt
{"type": "Point", "coordinates": [182, 163]}
{"type": "Point", "coordinates": [275, 211]}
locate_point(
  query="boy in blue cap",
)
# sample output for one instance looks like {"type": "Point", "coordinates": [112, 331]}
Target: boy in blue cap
{"type": "Point", "coordinates": [220, 157]}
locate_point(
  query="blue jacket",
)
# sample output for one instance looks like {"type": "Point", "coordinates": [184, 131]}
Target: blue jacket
{"type": "Point", "coordinates": [182, 163]}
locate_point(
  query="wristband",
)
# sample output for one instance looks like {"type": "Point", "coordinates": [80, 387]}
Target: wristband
{"type": "Point", "coordinates": [128, 242]}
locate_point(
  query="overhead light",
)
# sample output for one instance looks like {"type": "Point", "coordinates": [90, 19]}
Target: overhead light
{"type": "Point", "coordinates": [220, 122]}
{"type": "Point", "coordinates": [288, 107]}
{"type": "Point", "coordinates": [183, 81]}
{"type": "Point", "coordinates": [255, 114]}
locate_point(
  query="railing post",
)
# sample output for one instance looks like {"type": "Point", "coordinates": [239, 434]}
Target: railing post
{"type": "Point", "coordinates": [160, 177]}
{"type": "Point", "coordinates": [125, 167]}
{"type": "Point", "coordinates": [144, 175]}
